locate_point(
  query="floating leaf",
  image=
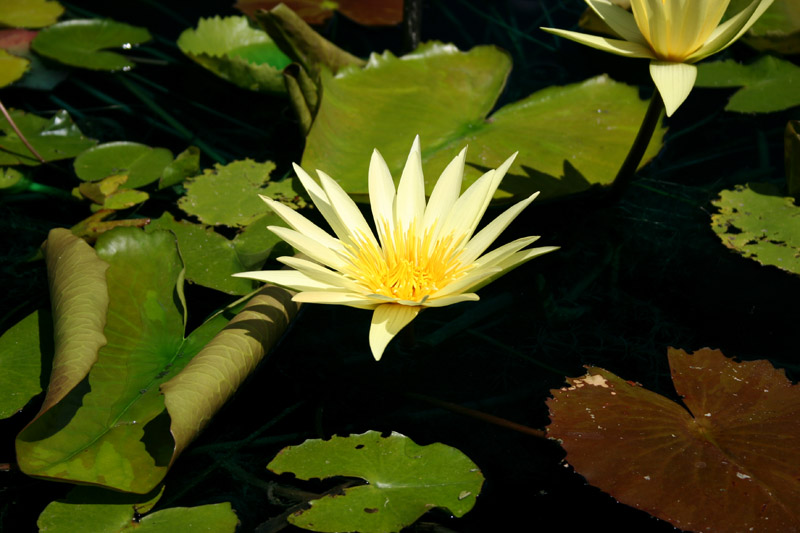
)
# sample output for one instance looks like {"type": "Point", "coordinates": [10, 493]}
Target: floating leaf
{"type": "Point", "coordinates": [233, 50]}
{"type": "Point", "coordinates": [569, 138]}
{"type": "Point", "coordinates": [29, 13]}
{"type": "Point", "coordinates": [11, 68]}
{"type": "Point", "coordinates": [185, 165]}
{"type": "Point", "coordinates": [103, 511]}
{"type": "Point", "coordinates": [81, 43]}
{"type": "Point", "coordinates": [791, 157]}
{"type": "Point", "coordinates": [256, 243]}
{"type": "Point", "coordinates": [228, 194]}
{"type": "Point", "coordinates": [769, 85]}
{"type": "Point", "coordinates": [93, 226]}
{"type": "Point", "coordinates": [55, 138]}
{"type": "Point", "coordinates": [725, 462]}
{"type": "Point", "coordinates": [104, 420]}
{"type": "Point", "coordinates": [778, 29]}
{"type": "Point", "coordinates": [9, 177]}
{"type": "Point", "coordinates": [405, 481]}
{"type": "Point", "coordinates": [366, 12]}
{"type": "Point", "coordinates": [141, 163]}
{"type": "Point", "coordinates": [21, 361]}
{"type": "Point", "coordinates": [756, 221]}
{"type": "Point", "coordinates": [210, 258]}
{"type": "Point", "coordinates": [124, 199]}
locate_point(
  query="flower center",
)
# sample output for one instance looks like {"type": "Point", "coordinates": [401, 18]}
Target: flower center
{"type": "Point", "coordinates": [409, 267]}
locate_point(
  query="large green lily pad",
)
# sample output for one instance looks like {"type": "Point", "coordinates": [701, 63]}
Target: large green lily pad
{"type": "Point", "coordinates": [228, 194]}
{"type": "Point", "coordinates": [29, 13]}
{"type": "Point", "coordinates": [141, 163]}
{"type": "Point", "coordinates": [55, 138]}
{"type": "Point", "coordinates": [405, 481]}
{"type": "Point", "coordinates": [21, 361]}
{"type": "Point", "coordinates": [569, 138]}
{"type": "Point", "coordinates": [758, 222]}
{"type": "Point", "coordinates": [723, 461]}
{"type": "Point", "coordinates": [210, 258]}
{"type": "Point", "coordinates": [103, 511]}
{"type": "Point", "coordinates": [233, 50]}
{"type": "Point", "coordinates": [104, 420]}
{"type": "Point", "coordinates": [768, 85]}
{"type": "Point", "coordinates": [82, 43]}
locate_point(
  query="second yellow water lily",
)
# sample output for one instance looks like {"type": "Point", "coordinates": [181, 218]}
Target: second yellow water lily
{"type": "Point", "coordinates": [673, 34]}
{"type": "Point", "coordinates": [425, 254]}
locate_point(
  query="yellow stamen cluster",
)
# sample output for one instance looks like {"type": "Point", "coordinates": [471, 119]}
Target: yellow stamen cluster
{"type": "Point", "coordinates": [409, 267]}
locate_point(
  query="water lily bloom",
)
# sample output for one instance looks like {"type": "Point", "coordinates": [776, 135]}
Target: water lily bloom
{"type": "Point", "coordinates": [673, 34]}
{"type": "Point", "coordinates": [425, 254]}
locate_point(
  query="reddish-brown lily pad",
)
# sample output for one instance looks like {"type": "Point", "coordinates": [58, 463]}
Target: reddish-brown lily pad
{"type": "Point", "coordinates": [728, 461]}
{"type": "Point", "coordinates": [366, 12]}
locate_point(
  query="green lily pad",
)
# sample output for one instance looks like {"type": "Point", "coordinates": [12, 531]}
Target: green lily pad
{"type": "Point", "coordinates": [255, 244]}
{"type": "Point", "coordinates": [233, 50]}
{"type": "Point", "coordinates": [104, 420]}
{"type": "Point", "coordinates": [569, 138]}
{"type": "Point", "coordinates": [11, 67]}
{"type": "Point", "coordinates": [103, 511]}
{"type": "Point", "coordinates": [54, 138]}
{"type": "Point", "coordinates": [759, 223]}
{"type": "Point", "coordinates": [778, 29]}
{"type": "Point", "coordinates": [405, 481]}
{"type": "Point", "coordinates": [29, 13]}
{"type": "Point", "coordinates": [186, 165]}
{"type": "Point", "coordinates": [21, 361]}
{"type": "Point", "coordinates": [124, 199]}
{"type": "Point", "coordinates": [9, 177]}
{"type": "Point", "coordinates": [82, 43]}
{"type": "Point", "coordinates": [769, 85]}
{"type": "Point", "coordinates": [141, 163]}
{"type": "Point", "coordinates": [210, 258]}
{"type": "Point", "coordinates": [228, 194]}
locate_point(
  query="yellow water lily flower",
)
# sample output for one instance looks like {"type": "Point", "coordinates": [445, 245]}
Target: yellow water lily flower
{"type": "Point", "coordinates": [673, 34]}
{"type": "Point", "coordinates": [425, 254]}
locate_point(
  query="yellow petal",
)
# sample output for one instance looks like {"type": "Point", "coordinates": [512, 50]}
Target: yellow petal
{"type": "Point", "coordinates": [387, 321]}
{"type": "Point", "coordinates": [291, 279]}
{"type": "Point", "coordinates": [347, 211]}
{"type": "Point", "coordinates": [321, 202]}
{"type": "Point", "coordinates": [615, 46]}
{"type": "Point", "coordinates": [302, 224]}
{"type": "Point", "coordinates": [320, 252]}
{"type": "Point", "coordinates": [480, 242]}
{"type": "Point", "coordinates": [729, 31]}
{"type": "Point", "coordinates": [674, 82]}
{"type": "Point", "coordinates": [381, 196]}
{"type": "Point", "coordinates": [410, 200]}
{"type": "Point", "coordinates": [619, 20]}
{"type": "Point", "coordinates": [445, 193]}
{"type": "Point", "coordinates": [336, 298]}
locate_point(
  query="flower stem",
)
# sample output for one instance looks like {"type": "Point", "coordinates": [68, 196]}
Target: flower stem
{"type": "Point", "coordinates": [412, 22]}
{"type": "Point", "coordinates": [628, 169]}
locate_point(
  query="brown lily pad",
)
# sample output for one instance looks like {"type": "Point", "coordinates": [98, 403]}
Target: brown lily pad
{"type": "Point", "coordinates": [727, 461]}
{"type": "Point", "coordinates": [366, 12]}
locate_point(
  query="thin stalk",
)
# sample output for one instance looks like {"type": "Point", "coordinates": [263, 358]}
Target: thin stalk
{"type": "Point", "coordinates": [628, 169]}
{"type": "Point", "coordinates": [412, 23]}
{"type": "Point", "coordinates": [19, 133]}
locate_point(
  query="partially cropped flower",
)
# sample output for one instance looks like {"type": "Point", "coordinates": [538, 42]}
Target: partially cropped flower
{"type": "Point", "coordinates": [425, 255]}
{"type": "Point", "coordinates": [673, 34]}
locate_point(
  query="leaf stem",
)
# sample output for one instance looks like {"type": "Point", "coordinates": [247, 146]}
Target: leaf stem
{"type": "Point", "coordinates": [19, 133]}
{"type": "Point", "coordinates": [412, 24]}
{"type": "Point", "coordinates": [628, 169]}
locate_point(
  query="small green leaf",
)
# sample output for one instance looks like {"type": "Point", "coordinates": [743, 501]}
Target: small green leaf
{"type": "Point", "coordinates": [569, 138]}
{"type": "Point", "coordinates": [9, 177]}
{"type": "Point", "coordinates": [141, 163]}
{"type": "Point", "coordinates": [103, 511]}
{"type": "Point", "coordinates": [233, 50]}
{"type": "Point", "coordinates": [256, 243]}
{"type": "Point", "coordinates": [29, 13]}
{"type": "Point", "coordinates": [81, 43]}
{"type": "Point", "coordinates": [124, 198]}
{"type": "Point", "coordinates": [756, 221]}
{"type": "Point", "coordinates": [228, 194]}
{"type": "Point", "coordinates": [21, 361]}
{"type": "Point", "coordinates": [11, 67]}
{"type": "Point", "coordinates": [769, 85]}
{"type": "Point", "coordinates": [405, 481]}
{"type": "Point", "coordinates": [54, 138]}
{"type": "Point", "coordinates": [210, 258]}
{"type": "Point", "coordinates": [185, 165]}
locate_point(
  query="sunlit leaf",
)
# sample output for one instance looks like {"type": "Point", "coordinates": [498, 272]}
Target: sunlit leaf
{"type": "Point", "coordinates": [727, 461]}
{"type": "Point", "coordinates": [768, 85]}
{"type": "Point", "coordinates": [110, 428]}
{"type": "Point", "coordinates": [210, 258]}
{"type": "Point", "coordinates": [9, 177]}
{"type": "Point", "coordinates": [233, 50]}
{"type": "Point", "coordinates": [791, 154]}
{"type": "Point", "coordinates": [759, 223]}
{"type": "Point", "coordinates": [54, 138]}
{"type": "Point", "coordinates": [83, 43]}
{"type": "Point", "coordinates": [29, 13]}
{"type": "Point", "coordinates": [21, 361]}
{"type": "Point", "coordinates": [103, 511]}
{"type": "Point", "coordinates": [141, 163]}
{"type": "Point", "coordinates": [568, 138]}
{"type": "Point", "coordinates": [11, 68]}
{"type": "Point", "coordinates": [185, 165]}
{"type": "Point", "coordinates": [228, 194]}
{"type": "Point", "coordinates": [405, 480]}
{"type": "Point", "coordinates": [96, 224]}
{"type": "Point", "coordinates": [366, 12]}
